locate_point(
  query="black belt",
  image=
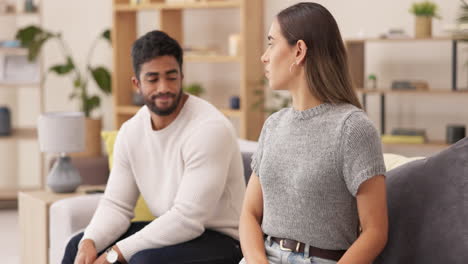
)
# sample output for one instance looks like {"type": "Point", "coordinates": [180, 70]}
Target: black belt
{"type": "Point", "coordinates": [296, 246]}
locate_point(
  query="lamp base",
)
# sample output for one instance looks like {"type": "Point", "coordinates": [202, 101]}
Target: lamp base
{"type": "Point", "coordinates": [63, 178]}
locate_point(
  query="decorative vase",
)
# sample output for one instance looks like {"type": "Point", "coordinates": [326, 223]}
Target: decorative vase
{"type": "Point", "coordinates": [5, 121]}
{"type": "Point", "coordinates": [234, 102]}
{"type": "Point", "coordinates": [423, 27]}
{"type": "Point", "coordinates": [63, 178]}
{"type": "Point", "coordinates": [92, 139]}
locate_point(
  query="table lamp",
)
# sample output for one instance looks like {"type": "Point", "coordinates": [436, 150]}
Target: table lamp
{"type": "Point", "coordinates": [62, 133]}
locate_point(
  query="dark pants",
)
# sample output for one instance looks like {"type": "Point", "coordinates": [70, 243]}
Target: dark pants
{"type": "Point", "coordinates": [210, 248]}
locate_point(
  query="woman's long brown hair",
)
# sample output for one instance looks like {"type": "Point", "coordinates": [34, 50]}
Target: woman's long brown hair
{"type": "Point", "coordinates": [326, 63]}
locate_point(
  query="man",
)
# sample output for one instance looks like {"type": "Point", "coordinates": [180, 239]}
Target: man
{"type": "Point", "coordinates": [182, 155]}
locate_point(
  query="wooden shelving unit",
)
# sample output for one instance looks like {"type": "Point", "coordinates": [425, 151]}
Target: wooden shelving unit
{"type": "Point", "coordinates": [124, 33]}
{"type": "Point", "coordinates": [212, 58]}
{"type": "Point", "coordinates": [124, 6]}
{"type": "Point", "coordinates": [14, 85]}
{"type": "Point", "coordinates": [429, 144]}
{"type": "Point", "coordinates": [356, 49]}
{"type": "Point", "coordinates": [20, 14]}
{"type": "Point", "coordinates": [419, 92]}
{"type": "Point", "coordinates": [13, 51]}
{"type": "Point", "coordinates": [20, 135]}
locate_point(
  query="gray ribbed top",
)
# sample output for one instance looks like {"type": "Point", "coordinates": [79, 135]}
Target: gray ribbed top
{"type": "Point", "coordinates": [310, 164]}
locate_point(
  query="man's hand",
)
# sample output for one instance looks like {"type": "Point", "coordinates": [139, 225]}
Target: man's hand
{"type": "Point", "coordinates": [86, 253]}
{"type": "Point", "coordinates": [102, 258]}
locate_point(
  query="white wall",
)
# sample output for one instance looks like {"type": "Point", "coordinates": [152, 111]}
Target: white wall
{"type": "Point", "coordinates": [81, 21]}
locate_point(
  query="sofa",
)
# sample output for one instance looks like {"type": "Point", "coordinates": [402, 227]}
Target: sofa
{"type": "Point", "coordinates": [414, 234]}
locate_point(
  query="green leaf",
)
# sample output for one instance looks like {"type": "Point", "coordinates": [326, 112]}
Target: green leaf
{"type": "Point", "coordinates": [27, 35]}
{"type": "Point", "coordinates": [62, 69]}
{"type": "Point", "coordinates": [91, 103]}
{"type": "Point", "coordinates": [107, 35]}
{"type": "Point", "coordinates": [77, 83]}
{"type": "Point", "coordinates": [103, 78]}
{"type": "Point", "coordinates": [33, 38]}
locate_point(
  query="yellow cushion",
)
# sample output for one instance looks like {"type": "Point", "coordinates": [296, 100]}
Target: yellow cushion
{"type": "Point", "coordinates": [142, 213]}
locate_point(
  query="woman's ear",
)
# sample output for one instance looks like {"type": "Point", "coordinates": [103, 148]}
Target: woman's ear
{"type": "Point", "coordinates": [301, 52]}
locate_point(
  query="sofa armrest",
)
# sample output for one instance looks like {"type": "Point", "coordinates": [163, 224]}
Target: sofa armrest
{"type": "Point", "coordinates": [66, 218]}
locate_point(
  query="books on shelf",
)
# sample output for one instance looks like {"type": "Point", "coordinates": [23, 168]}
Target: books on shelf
{"type": "Point", "coordinates": [405, 85]}
{"type": "Point", "coordinates": [402, 139]}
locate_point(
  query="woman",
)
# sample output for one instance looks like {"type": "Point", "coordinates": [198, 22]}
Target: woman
{"type": "Point", "coordinates": [317, 191]}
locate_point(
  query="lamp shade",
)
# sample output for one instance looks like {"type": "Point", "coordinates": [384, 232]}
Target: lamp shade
{"type": "Point", "coordinates": [61, 132]}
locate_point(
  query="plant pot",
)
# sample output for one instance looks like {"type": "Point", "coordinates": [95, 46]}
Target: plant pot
{"type": "Point", "coordinates": [92, 139]}
{"type": "Point", "coordinates": [423, 27]}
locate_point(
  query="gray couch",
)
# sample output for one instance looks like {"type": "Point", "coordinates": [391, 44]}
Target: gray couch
{"type": "Point", "coordinates": [428, 209]}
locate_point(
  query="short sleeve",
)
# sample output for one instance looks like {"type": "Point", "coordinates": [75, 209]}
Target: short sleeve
{"type": "Point", "coordinates": [361, 150]}
{"type": "Point", "coordinates": [257, 156]}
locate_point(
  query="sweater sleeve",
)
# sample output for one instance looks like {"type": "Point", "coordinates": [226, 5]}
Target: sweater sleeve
{"type": "Point", "coordinates": [361, 151]}
{"type": "Point", "coordinates": [207, 155]}
{"type": "Point", "coordinates": [115, 210]}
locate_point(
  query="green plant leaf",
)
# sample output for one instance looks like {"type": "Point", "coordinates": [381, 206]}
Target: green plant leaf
{"type": "Point", "coordinates": [77, 83]}
{"type": "Point", "coordinates": [91, 103]}
{"type": "Point", "coordinates": [107, 35]}
{"type": "Point", "coordinates": [425, 8]}
{"type": "Point", "coordinates": [103, 78]}
{"type": "Point", "coordinates": [27, 35]}
{"type": "Point", "coordinates": [195, 89]}
{"type": "Point", "coordinates": [33, 38]}
{"type": "Point", "coordinates": [62, 69]}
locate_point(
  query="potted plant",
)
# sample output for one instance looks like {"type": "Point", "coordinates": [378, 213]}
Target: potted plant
{"type": "Point", "coordinates": [195, 89]}
{"type": "Point", "coordinates": [424, 12]}
{"type": "Point", "coordinates": [33, 38]}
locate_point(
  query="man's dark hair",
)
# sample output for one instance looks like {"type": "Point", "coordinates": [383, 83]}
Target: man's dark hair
{"type": "Point", "coordinates": [152, 45]}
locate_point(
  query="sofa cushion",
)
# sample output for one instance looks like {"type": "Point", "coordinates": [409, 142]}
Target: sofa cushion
{"type": "Point", "coordinates": [428, 209]}
{"type": "Point", "coordinates": [141, 211]}
{"type": "Point", "coordinates": [393, 160]}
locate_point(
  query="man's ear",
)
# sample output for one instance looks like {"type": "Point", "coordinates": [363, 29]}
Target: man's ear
{"type": "Point", "coordinates": [301, 52]}
{"type": "Point", "coordinates": [136, 84]}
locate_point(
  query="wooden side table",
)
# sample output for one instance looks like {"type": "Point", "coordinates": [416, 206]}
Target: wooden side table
{"type": "Point", "coordinates": [33, 208]}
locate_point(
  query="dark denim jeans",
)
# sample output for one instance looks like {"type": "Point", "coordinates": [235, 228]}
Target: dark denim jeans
{"type": "Point", "coordinates": [210, 248]}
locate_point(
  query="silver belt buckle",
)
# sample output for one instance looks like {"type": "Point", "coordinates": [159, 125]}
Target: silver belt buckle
{"type": "Point", "coordinates": [283, 248]}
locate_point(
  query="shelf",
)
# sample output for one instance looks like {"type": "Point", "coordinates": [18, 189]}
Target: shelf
{"type": "Point", "coordinates": [4, 85]}
{"type": "Point", "coordinates": [11, 194]}
{"type": "Point", "coordinates": [131, 110]}
{"type": "Point", "coordinates": [230, 112]}
{"type": "Point", "coordinates": [431, 91]}
{"type": "Point", "coordinates": [128, 109]}
{"type": "Point", "coordinates": [21, 133]}
{"type": "Point", "coordinates": [20, 14]}
{"type": "Point", "coordinates": [430, 144]}
{"type": "Point", "coordinates": [212, 58]}
{"type": "Point", "coordinates": [165, 6]}
{"type": "Point", "coordinates": [13, 51]}
{"type": "Point", "coordinates": [393, 40]}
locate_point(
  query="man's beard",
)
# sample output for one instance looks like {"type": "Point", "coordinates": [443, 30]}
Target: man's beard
{"type": "Point", "coordinates": [151, 104]}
